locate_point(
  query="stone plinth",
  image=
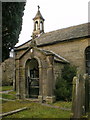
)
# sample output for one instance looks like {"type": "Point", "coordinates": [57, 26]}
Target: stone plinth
{"type": "Point", "coordinates": [50, 99]}
{"type": "Point", "coordinates": [40, 98]}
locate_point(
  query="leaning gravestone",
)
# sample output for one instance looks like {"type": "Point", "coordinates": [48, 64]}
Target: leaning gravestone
{"type": "Point", "coordinates": [89, 98]}
{"type": "Point", "coordinates": [80, 96]}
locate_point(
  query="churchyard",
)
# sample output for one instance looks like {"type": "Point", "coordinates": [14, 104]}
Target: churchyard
{"type": "Point", "coordinates": [36, 109]}
{"type": "Point", "coordinates": [76, 106]}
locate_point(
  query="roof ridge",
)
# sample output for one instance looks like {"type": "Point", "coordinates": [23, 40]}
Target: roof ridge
{"type": "Point", "coordinates": [69, 33]}
{"type": "Point", "coordinates": [67, 27]}
{"type": "Point", "coordinates": [56, 55]}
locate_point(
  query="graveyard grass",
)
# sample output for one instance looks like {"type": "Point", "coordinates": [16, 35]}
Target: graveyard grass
{"type": "Point", "coordinates": [35, 110]}
{"type": "Point", "coordinates": [5, 88]}
{"type": "Point", "coordinates": [63, 104]}
{"type": "Point", "coordinates": [10, 95]}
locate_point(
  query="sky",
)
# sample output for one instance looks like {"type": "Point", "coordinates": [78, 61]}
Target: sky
{"type": "Point", "coordinates": [58, 14]}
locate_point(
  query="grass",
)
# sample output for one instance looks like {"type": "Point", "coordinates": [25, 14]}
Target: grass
{"type": "Point", "coordinates": [36, 110]}
{"type": "Point", "coordinates": [5, 88]}
{"type": "Point", "coordinates": [12, 105]}
{"type": "Point", "coordinates": [0, 102]}
{"type": "Point", "coordinates": [8, 96]}
{"type": "Point", "coordinates": [11, 95]}
{"type": "Point", "coordinates": [63, 104]}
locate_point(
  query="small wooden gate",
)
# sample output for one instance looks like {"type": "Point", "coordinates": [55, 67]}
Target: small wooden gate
{"type": "Point", "coordinates": [34, 83]}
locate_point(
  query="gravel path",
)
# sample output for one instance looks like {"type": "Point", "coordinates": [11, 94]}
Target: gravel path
{"type": "Point", "coordinates": [6, 91]}
{"type": "Point", "coordinates": [6, 99]}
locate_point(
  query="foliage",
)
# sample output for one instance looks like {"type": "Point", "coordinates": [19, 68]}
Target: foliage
{"type": "Point", "coordinates": [63, 87]}
{"type": "Point", "coordinates": [12, 13]}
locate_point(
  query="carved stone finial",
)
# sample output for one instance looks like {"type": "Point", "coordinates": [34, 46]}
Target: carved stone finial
{"type": "Point", "coordinates": [38, 7]}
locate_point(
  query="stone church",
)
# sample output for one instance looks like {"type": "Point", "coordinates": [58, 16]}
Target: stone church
{"type": "Point", "coordinates": [39, 61]}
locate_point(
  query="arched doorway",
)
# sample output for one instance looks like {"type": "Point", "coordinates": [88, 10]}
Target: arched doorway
{"type": "Point", "coordinates": [32, 78]}
{"type": "Point", "coordinates": [87, 54]}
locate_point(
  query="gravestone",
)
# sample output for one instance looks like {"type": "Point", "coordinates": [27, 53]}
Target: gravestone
{"type": "Point", "coordinates": [80, 96]}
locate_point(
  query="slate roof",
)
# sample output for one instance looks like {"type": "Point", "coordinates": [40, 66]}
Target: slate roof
{"type": "Point", "coordinates": [38, 15]}
{"type": "Point", "coordinates": [61, 35]}
{"type": "Point", "coordinates": [65, 34]}
{"type": "Point", "coordinates": [57, 57]}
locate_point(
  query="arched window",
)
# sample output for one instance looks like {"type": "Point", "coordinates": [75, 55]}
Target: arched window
{"type": "Point", "coordinates": [41, 25]}
{"type": "Point", "coordinates": [36, 25]}
{"type": "Point", "coordinates": [87, 54]}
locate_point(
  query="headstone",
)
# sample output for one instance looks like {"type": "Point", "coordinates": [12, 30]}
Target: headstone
{"type": "Point", "coordinates": [80, 96]}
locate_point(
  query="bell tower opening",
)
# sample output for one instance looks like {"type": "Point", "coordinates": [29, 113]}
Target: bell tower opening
{"type": "Point", "coordinates": [38, 24]}
{"type": "Point", "coordinates": [41, 26]}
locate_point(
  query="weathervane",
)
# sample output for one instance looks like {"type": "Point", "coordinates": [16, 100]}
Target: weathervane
{"type": "Point", "coordinates": [38, 7]}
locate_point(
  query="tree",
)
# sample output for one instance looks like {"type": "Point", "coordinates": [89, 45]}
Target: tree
{"type": "Point", "coordinates": [63, 87]}
{"type": "Point", "coordinates": [12, 13]}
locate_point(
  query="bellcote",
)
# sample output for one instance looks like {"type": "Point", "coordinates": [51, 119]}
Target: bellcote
{"type": "Point", "coordinates": [38, 24]}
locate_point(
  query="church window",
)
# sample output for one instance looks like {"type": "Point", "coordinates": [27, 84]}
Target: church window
{"type": "Point", "coordinates": [87, 54]}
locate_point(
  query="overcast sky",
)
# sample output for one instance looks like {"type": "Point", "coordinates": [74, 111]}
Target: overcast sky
{"type": "Point", "coordinates": [57, 14]}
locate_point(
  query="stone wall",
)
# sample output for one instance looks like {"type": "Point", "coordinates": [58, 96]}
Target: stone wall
{"type": "Point", "coordinates": [73, 51]}
{"type": "Point", "coordinates": [8, 71]}
{"type": "Point", "coordinates": [57, 69]}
